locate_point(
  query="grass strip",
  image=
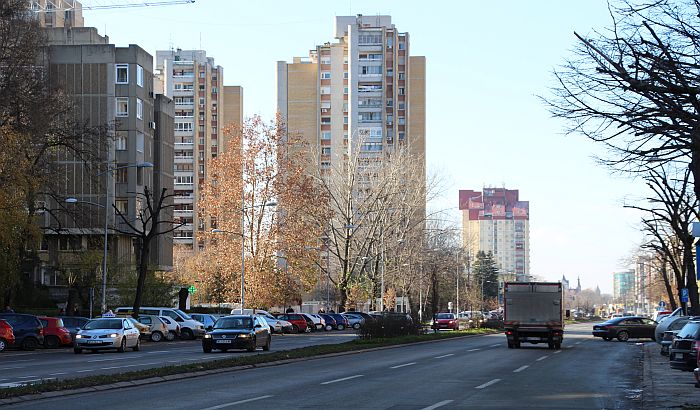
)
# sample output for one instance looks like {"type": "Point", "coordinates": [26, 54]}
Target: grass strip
{"type": "Point", "coordinates": [303, 352]}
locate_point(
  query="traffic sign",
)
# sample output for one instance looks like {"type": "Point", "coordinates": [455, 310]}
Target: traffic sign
{"type": "Point", "coordinates": [684, 295]}
{"type": "Point", "coordinates": [192, 290]}
{"type": "Point", "coordinates": [662, 303]}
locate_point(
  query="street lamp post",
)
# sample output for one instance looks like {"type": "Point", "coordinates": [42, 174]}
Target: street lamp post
{"type": "Point", "coordinates": [242, 233]}
{"type": "Point", "coordinates": [106, 208]}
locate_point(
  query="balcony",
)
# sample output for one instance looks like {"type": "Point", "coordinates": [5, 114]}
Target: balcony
{"type": "Point", "coordinates": [183, 241]}
{"type": "Point", "coordinates": [183, 186]}
{"type": "Point", "coordinates": [183, 199]}
{"type": "Point", "coordinates": [184, 145]}
{"type": "Point", "coordinates": [179, 213]}
{"type": "Point", "coordinates": [184, 160]}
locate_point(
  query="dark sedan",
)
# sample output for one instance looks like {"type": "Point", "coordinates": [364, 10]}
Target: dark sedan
{"type": "Point", "coordinates": [684, 350]}
{"type": "Point", "coordinates": [238, 332]}
{"type": "Point", "coordinates": [625, 328]}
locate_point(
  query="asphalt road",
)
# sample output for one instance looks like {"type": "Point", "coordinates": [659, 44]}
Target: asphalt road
{"type": "Point", "coordinates": [31, 367]}
{"type": "Point", "coordinates": [476, 372]}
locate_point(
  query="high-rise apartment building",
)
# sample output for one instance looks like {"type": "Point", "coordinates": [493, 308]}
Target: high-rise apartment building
{"type": "Point", "coordinates": [58, 13]}
{"type": "Point", "coordinates": [624, 289]}
{"type": "Point", "coordinates": [497, 221]}
{"type": "Point", "coordinates": [363, 94]}
{"type": "Point", "coordinates": [203, 107]}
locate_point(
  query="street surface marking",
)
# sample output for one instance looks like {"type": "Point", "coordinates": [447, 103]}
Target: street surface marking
{"type": "Point", "coordinates": [445, 355]}
{"type": "Point", "coordinates": [343, 379]}
{"type": "Point", "coordinates": [83, 371]}
{"type": "Point", "coordinates": [496, 345]}
{"type": "Point", "coordinates": [541, 358]}
{"type": "Point", "coordinates": [487, 384]}
{"type": "Point", "coordinates": [26, 377]}
{"type": "Point", "coordinates": [402, 365]}
{"type": "Point", "coordinates": [221, 406]}
{"type": "Point", "coordinates": [12, 368]}
{"type": "Point", "coordinates": [439, 404]}
{"type": "Point", "coordinates": [473, 350]}
{"type": "Point", "coordinates": [159, 351]}
{"type": "Point", "coordinates": [558, 351]}
{"type": "Point", "coordinates": [56, 374]}
{"type": "Point", "coordinates": [520, 369]}
{"type": "Point", "coordinates": [577, 343]}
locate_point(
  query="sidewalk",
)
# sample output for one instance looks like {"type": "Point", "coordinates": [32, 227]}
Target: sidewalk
{"type": "Point", "coordinates": [663, 387]}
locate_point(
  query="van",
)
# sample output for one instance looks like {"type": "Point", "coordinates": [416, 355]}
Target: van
{"type": "Point", "coordinates": [189, 328]}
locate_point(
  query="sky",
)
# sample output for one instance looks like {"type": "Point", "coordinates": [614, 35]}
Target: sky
{"type": "Point", "coordinates": [487, 63]}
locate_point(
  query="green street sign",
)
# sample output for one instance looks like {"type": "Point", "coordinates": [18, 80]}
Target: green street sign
{"type": "Point", "coordinates": [192, 290]}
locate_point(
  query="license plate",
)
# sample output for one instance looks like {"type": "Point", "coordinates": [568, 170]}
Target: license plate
{"type": "Point", "coordinates": [224, 341]}
{"type": "Point", "coordinates": [93, 342]}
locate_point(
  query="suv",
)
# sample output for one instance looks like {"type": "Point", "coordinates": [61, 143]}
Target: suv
{"type": "Point", "coordinates": [189, 328]}
{"type": "Point", "coordinates": [684, 350]}
{"type": "Point", "coordinates": [7, 337]}
{"type": "Point", "coordinates": [29, 334]}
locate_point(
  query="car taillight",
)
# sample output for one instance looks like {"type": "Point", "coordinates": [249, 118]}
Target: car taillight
{"type": "Point", "coordinates": [695, 347]}
{"type": "Point", "coordinates": [40, 331]}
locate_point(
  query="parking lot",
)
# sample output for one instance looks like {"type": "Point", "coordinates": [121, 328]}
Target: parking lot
{"type": "Point", "coordinates": [19, 367]}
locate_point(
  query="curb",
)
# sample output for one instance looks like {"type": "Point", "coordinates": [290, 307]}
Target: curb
{"type": "Point", "coordinates": [648, 392]}
{"type": "Point", "coordinates": [189, 375]}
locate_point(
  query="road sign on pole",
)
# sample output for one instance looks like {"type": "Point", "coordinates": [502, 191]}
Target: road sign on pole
{"type": "Point", "coordinates": [684, 295]}
{"type": "Point", "coordinates": [662, 303]}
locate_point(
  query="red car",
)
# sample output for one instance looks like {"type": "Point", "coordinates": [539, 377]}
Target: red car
{"type": "Point", "coordinates": [445, 321]}
{"type": "Point", "coordinates": [55, 333]}
{"type": "Point", "coordinates": [298, 321]}
{"type": "Point", "coordinates": [7, 336]}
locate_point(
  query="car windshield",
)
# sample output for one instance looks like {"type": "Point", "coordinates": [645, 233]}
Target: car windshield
{"type": "Point", "coordinates": [183, 314]}
{"type": "Point", "coordinates": [234, 323]}
{"type": "Point", "coordinates": [689, 331]}
{"type": "Point", "coordinates": [445, 316]}
{"type": "Point", "coordinates": [103, 324]}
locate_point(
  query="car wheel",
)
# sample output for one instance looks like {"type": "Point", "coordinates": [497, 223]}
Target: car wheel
{"type": "Point", "coordinates": [170, 336]}
{"type": "Point", "coordinates": [122, 346]}
{"type": "Point", "coordinates": [623, 336]}
{"type": "Point", "coordinates": [557, 346]}
{"type": "Point", "coordinates": [51, 342]}
{"type": "Point", "coordinates": [253, 346]}
{"type": "Point", "coordinates": [77, 350]}
{"type": "Point", "coordinates": [329, 327]}
{"type": "Point", "coordinates": [341, 327]}
{"type": "Point", "coordinates": [607, 338]}
{"type": "Point", "coordinates": [186, 334]}
{"type": "Point", "coordinates": [206, 349]}
{"type": "Point", "coordinates": [156, 337]}
{"type": "Point", "coordinates": [137, 347]}
{"type": "Point", "coordinates": [29, 343]}
{"type": "Point", "coordinates": [356, 326]}
{"type": "Point", "coordinates": [267, 345]}
{"type": "Point", "coordinates": [295, 329]}
{"type": "Point", "coordinates": [3, 345]}
{"type": "Point", "coordinates": [550, 345]}
{"type": "Point", "coordinates": [664, 350]}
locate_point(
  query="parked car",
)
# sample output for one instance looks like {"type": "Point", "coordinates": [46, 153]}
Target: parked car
{"type": "Point", "coordinates": [355, 321]}
{"type": "Point", "coordinates": [319, 322]}
{"type": "Point", "coordinates": [158, 328]}
{"type": "Point", "coordinates": [107, 333]}
{"type": "Point", "coordinates": [330, 321]}
{"type": "Point", "coordinates": [7, 336]}
{"type": "Point", "coordinates": [275, 324]}
{"type": "Point", "coordinates": [684, 350]}
{"type": "Point", "coordinates": [449, 321]}
{"type": "Point", "coordinates": [144, 330]}
{"type": "Point", "coordinates": [287, 327]}
{"type": "Point", "coordinates": [173, 328]}
{"type": "Point", "coordinates": [251, 312]}
{"type": "Point", "coordinates": [55, 332]}
{"type": "Point", "coordinates": [206, 319]}
{"type": "Point", "coordinates": [473, 318]}
{"type": "Point", "coordinates": [29, 334]}
{"type": "Point", "coordinates": [310, 323]}
{"type": "Point", "coordinates": [666, 323]}
{"type": "Point", "coordinates": [238, 332]}
{"type": "Point", "coordinates": [625, 328]}
{"type": "Point", "coordinates": [341, 322]}
{"type": "Point", "coordinates": [671, 331]}
{"type": "Point", "coordinates": [189, 328]}
{"type": "Point", "coordinates": [73, 324]}
{"type": "Point", "coordinates": [298, 321]}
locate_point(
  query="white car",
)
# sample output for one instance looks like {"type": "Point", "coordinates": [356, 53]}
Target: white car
{"type": "Point", "coordinates": [189, 328]}
{"type": "Point", "coordinates": [173, 328]}
{"type": "Point", "coordinates": [319, 322]}
{"type": "Point", "coordinates": [107, 333]}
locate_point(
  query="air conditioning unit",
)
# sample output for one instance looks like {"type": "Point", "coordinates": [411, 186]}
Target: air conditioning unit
{"type": "Point", "coordinates": [152, 125]}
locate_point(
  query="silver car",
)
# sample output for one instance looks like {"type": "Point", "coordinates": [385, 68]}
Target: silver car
{"type": "Point", "coordinates": [107, 333]}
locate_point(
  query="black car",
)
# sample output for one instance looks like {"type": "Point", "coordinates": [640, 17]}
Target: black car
{"type": "Point", "coordinates": [331, 323]}
{"type": "Point", "coordinates": [27, 329]}
{"type": "Point", "coordinates": [684, 350]}
{"type": "Point", "coordinates": [238, 332]}
{"type": "Point", "coordinates": [73, 324]}
{"type": "Point", "coordinates": [671, 332]}
{"type": "Point", "coordinates": [341, 322]}
{"type": "Point", "coordinates": [625, 328]}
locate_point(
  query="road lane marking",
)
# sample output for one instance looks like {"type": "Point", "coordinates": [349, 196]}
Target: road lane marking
{"type": "Point", "coordinates": [520, 369]}
{"type": "Point", "coordinates": [439, 404]}
{"type": "Point", "coordinates": [56, 374]}
{"type": "Point", "coordinates": [473, 350]}
{"type": "Point", "coordinates": [496, 345]}
{"type": "Point", "coordinates": [402, 365]}
{"type": "Point", "coordinates": [221, 406]}
{"type": "Point", "coordinates": [87, 370]}
{"type": "Point", "coordinates": [26, 377]}
{"type": "Point", "coordinates": [343, 379]}
{"type": "Point", "coordinates": [159, 351]}
{"type": "Point", "coordinates": [539, 359]}
{"type": "Point", "coordinates": [12, 368]}
{"type": "Point", "coordinates": [445, 355]}
{"type": "Point", "coordinates": [558, 351]}
{"type": "Point", "coordinates": [487, 384]}
{"type": "Point", "coordinates": [578, 343]}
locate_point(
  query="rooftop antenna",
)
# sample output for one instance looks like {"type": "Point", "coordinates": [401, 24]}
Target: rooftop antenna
{"type": "Point", "coordinates": [200, 40]}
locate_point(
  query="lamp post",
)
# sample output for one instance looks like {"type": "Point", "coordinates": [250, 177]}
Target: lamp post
{"type": "Point", "coordinates": [106, 208]}
{"type": "Point", "coordinates": [242, 233]}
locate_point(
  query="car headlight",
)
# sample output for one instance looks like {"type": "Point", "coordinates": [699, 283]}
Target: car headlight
{"type": "Point", "coordinates": [244, 335]}
{"type": "Point", "coordinates": [78, 336]}
{"type": "Point", "coordinates": [207, 336]}
{"type": "Point", "coordinates": [113, 335]}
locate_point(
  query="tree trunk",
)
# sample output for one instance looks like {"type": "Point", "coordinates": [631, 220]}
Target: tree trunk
{"type": "Point", "coordinates": [667, 286]}
{"type": "Point", "coordinates": [692, 273]}
{"type": "Point", "coordinates": [144, 245]}
{"type": "Point", "coordinates": [691, 283]}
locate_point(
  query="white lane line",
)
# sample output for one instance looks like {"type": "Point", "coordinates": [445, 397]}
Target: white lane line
{"type": "Point", "coordinates": [438, 404]}
{"type": "Point", "coordinates": [402, 365]}
{"type": "Point", "coordinates": [56, 374]}
{"type": "Point", "coordinates": [487, 384]}
{"type": "Point", "coordinates": [26, 377]}
{"type": "Point", "coordinates": [578, 343]}
{"type": "Point", "coordinates": [343, 379]}
{"type": "Point", "coordinates": [445, 355]}
{"type": "Point", "coordinates": [539, 359]}
{"type": "Point", "coordinates": [473, 350]}
{"type": "Point", "coordinates": [558, 351]}
{"type": "Point", "coordinates": [12, 368]}
{"type": "Point", "coordinates": [496, 345]}
{"type": "Point", "coordinates": [87, 370]}
{"type": "Point", "coordinates": [520, 369]}
{"type": "Point", "coordinates": [233, 403]}
{"type": "Point", "coordinates": [159, 351]}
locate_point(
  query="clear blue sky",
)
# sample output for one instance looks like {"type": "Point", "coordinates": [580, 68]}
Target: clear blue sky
{"type": "Point", "coordinates": [486, 60]}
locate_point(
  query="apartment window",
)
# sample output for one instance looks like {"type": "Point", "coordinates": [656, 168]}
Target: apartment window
{"type": "Point", "coordinates": [201, 100]}
{"type": "Point", "coordinates": [345, 120]}
{"type": "Point", "coordinates": [402, 76]}
{"type": "Point", "coordinates": [389, 42]}
{"type": "Point", "coordinates": [389, 119]}
{"type": "Point", "coordinates": [402, 91]}
{"type": "Point", "coordinates": [345, 75]}
{"type": "Point", "coordinates": [122, 73]}
{"type": "Point", "coordinates": [122, 106]}
{"type": "Point", "coordinates": [325, 135]}
{"type": "Point", "coordinates": [201, 87]}
{"type": "Point", "coordinates": [371, 69]}
{"type": "Point", "coordinates": [139, 75]}
{"type": "Point", "coordinates": [201, 169]}
{"type": "Point", "coordinates": [139, 142]}
{"type": "Point", "coordinates": [139, 109]}
{"type": "Point", "coordinates": [214, 90]}
{"type": "Point", "coordinates": [345, 90]}
{"type": "Point", "coordinates": [326, 75]}
{"type": "Point", "coordinates": [122, 206]}
{"type": "Point", "coordinates": [183, 127]}
{"type": "Point", "coordinates": [402, 135]}
{"type": "Point", "coordinates": [202, 74]}
{"type": "Point", "coordinates": [402, 105]}
{"type": "Point", "coordinates": [120, 141]}
{"type": "Point", "coordinates": [184, 180]}
{"type": "Point", "coordinates": [139, 181]}
{"type": "Point", "coordinates": [326, 151]}
{"type": "Point", "coordinates": [121, 175]}
{"type": "Point", "coordinates": [325, 60]}
{"type": "Point", "coordinates": [389, 102]}
{"type": "Point", "coordinates": [402, 121]}
{"type": "Point", "coordinates": [402, 45]}
{"type": "Point", "coordinates": [325, 164]}
{"type": "Point", "coordinates": [325, 90]}
{"type": "Point", "coordinates": [389, 72]}
{"type": "Point", "coordinates": [325, 120]}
